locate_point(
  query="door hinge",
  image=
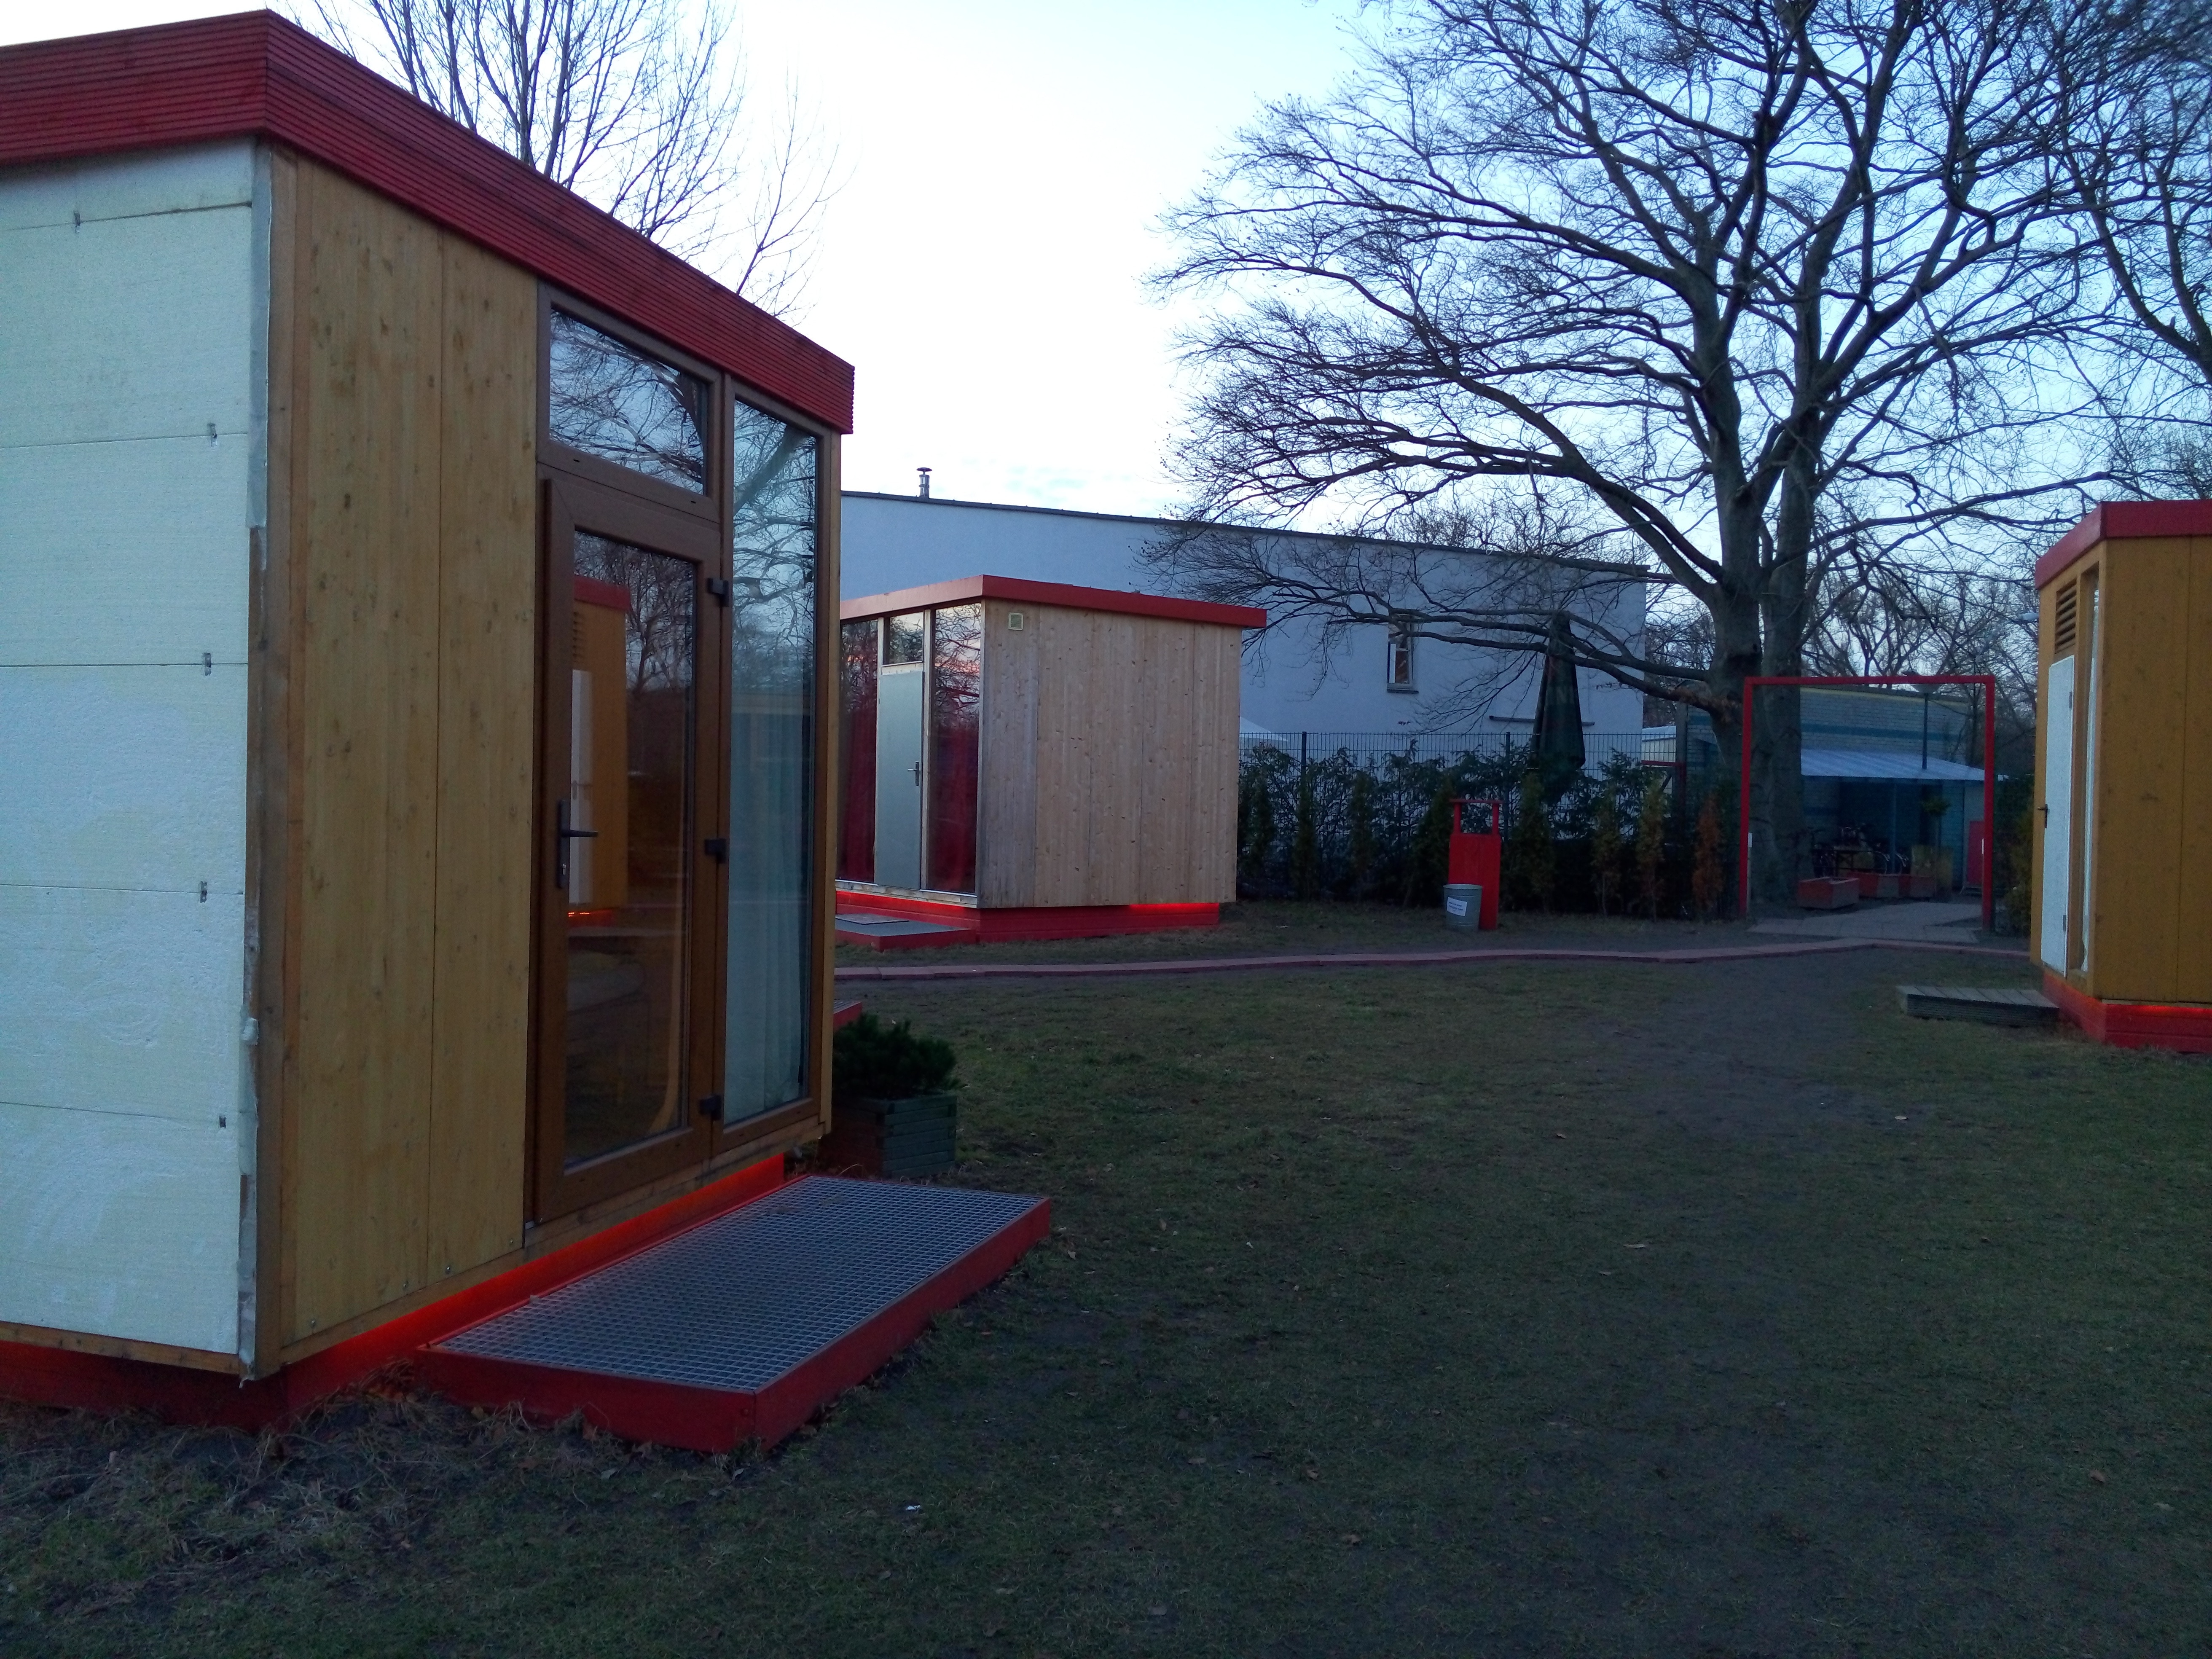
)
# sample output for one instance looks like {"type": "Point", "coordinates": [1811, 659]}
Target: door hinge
{"type": "Point", "coordinates": [710, 1106]}
{"type": "Point", "coordinates": [718, 848]}
{"type": "Point", "coordinates": [720, 587]}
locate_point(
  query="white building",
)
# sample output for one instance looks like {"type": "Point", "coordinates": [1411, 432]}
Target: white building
{"type": "Point", "coordinates": [894, 542]}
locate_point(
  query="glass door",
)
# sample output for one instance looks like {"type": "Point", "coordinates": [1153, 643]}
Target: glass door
{"type": "Point", "coordinates": [624, 1042]}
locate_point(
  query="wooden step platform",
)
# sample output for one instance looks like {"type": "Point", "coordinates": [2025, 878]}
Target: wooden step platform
{"type": "Point", "coordinates": [1991, 1007]}
{"type": "Point", "coordinates": [740, 1327]}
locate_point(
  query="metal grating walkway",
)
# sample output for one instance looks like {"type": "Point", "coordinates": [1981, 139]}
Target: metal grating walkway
{"type": "Point", "coordinates": [737, 1303]}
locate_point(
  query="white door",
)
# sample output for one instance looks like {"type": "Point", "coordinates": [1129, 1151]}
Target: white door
{"type": "Point", "coordinates": [902, 710]}
{"type": "Point", "coordinates": [2057, 810]}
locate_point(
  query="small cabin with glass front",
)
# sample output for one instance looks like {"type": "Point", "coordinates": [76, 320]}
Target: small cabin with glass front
{"type": "Point", "coordinates": [1032, 760]}
{"type": "Point", "coordinates": [412, 597]}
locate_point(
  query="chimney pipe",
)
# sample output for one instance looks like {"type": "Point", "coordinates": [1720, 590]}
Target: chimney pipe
{"type": "Point", "coordinates": [924, 472]}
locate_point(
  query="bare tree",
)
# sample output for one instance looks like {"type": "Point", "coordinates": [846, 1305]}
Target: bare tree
{"type": "Point", "coordinates": [2134, 130]}
{"type": "Point", "coordinates": [1741, 290]}
{"type": "Point", "coordinates": [640, 107]}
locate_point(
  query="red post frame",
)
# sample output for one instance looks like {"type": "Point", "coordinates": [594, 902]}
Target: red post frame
{"type": "Point", "coordinates": [1988, 684]}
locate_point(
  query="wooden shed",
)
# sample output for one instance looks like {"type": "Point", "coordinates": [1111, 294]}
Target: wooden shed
{"type": "Point", "coordinates": [417, 791]}
{"type": "Point", "coordinates": [1032, 760]}
{"type": "Point", "coordinates": [2122, 863]}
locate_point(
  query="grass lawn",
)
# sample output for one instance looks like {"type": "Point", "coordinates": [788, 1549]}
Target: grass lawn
{"type": "Point", "coordinates": [1501, 1310]}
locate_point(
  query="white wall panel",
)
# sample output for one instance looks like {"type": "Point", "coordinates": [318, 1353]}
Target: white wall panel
{"type": "Point", "coordinates": [128, 328]}
{"type": "Point", "coordinates": [121, 1001]}
{"type": "Point", "coordinates": [168, 181]}
{"type": "Point", "coordinates": [133, 295]}
{"type": "Point", "coordinates": [125, 552]}
{"type": "Point", "coordinates": [120, 1226]}
{"type": "Point", "coordinates": [141, 775]}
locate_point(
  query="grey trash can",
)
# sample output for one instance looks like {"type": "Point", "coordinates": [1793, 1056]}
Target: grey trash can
{"type": "Point", "coordinates": [1463, 905]}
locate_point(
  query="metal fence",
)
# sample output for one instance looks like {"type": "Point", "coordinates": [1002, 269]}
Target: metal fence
{"type": "Point", "coordinates": [1367, 814]}
{"type": "Point", "coordinates": [1371, 749]}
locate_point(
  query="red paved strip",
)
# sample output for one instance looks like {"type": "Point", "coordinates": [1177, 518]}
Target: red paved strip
{"type": "Point", "coordinates": [1406, 959]}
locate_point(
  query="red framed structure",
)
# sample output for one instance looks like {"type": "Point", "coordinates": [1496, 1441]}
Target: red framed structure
{"type": "Point", "coordinates": [1988, 689]}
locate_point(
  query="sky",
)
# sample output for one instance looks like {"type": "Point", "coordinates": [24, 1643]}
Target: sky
{"type": "Point", "coordinates": [1004, 163]}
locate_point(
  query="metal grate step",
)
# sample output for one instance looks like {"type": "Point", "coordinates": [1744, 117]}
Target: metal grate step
{"type": "Point", "coordinates": [739, 1302]}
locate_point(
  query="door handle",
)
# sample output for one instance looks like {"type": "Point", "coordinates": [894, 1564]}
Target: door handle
{"type": "Point", "coordinates": [562, 834]}
{"type": "Point", "coordinates": [917, 774]}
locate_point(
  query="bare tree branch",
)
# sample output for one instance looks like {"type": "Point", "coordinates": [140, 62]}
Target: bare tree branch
{"type": "Point", "coordinates": [1777, 292]}
{"type": "Point", "coordinates": [640, 107]}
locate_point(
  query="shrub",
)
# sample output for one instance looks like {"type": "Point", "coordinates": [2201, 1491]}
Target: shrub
{"type": "Point", "coordinates": [876, 1061]}
{"type": "Point", "coordinates": [1605, 849]}
{"type": "Point", "coordinates": [1530, 857]}
{"type": "Point", "coordinates": [1650, 843]}
{"type": "Point", "coordinates": [1709, 865]}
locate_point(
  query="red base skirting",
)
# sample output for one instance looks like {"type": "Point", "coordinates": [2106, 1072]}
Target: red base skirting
{"type": "Point", "coordinates": [2184, 1027]}
{"type": "Point", "coordinates": [712, 1419]}
{"type": "Point", "coordinates": [177, 1393]}
{"type": "Point", "coordinates": [986, 925]}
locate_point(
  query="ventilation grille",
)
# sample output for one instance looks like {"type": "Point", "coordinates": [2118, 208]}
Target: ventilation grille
{"type": "Point", "coordinates": [2062, 625]}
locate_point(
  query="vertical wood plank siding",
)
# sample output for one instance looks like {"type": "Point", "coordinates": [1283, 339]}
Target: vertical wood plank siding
{"type": "Point", "coordinates": [488, 647]}
{"type": "Point", "coordinates": [2193, 959]}
{"type": "Point", "coordinates": [413, 470]}
{"type": "Point", "coordinates": [1110, 759]}
{"type": "Point", "coordinates": [2147, 662]}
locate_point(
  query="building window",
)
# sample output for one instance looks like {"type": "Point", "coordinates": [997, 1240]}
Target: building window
{"type": "Point", "coordinates": [1397, 670]}
{"type": "Point", "coordinates": [608, 398]}
{"type": "Point", "coordinates": [776, 475]}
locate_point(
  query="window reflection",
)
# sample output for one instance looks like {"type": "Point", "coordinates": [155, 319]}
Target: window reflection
{"type": "Point", "coordinates": [773, 478]}
{"type": "Point", "coordinates": [956, 681]}
{"type": "Point", "coordinates": [904, 638]}
{"type": "Point", "coordinates": [856, 834]}
{"type": "Point", "coordinates": [608, 398]}
{"type": "Point", "coordinates": [625, 833]}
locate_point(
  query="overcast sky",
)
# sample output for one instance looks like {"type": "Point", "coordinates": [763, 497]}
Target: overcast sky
{"type": "Point", "coordinates": [1005, 160]}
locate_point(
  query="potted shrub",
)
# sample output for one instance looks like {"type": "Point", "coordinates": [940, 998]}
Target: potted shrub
{"type": "Point", "coordinates": [894, 1110]}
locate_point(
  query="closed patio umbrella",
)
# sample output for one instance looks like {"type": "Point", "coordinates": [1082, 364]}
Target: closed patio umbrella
{"type": "Point", "coordinates": [1555, 744]}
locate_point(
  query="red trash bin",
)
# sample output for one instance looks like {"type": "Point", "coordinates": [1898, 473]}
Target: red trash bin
{"type": "Point", "coordinates": [1474, 858]}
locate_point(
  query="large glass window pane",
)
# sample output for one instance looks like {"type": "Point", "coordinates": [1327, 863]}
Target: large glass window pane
{"type": "Point", "coordinates": [608, 398]}
{"type": "Point", "coordinates": [625, 833]}
{"type": "Point", "coordinates": [856, 703]}
{"type": "Point", "coordinates": [956, 681]}
{"type": "Point", "coordinates": [771, 762]}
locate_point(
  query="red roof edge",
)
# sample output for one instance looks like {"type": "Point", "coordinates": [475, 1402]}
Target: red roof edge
{"type": "Point", "coordinates": [256, 75]}
{"type": "Point", "coordinates": [1063, 594]}
{"type": "Point", "coordinates": [2114, 521]}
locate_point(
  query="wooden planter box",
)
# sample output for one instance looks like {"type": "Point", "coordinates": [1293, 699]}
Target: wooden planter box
{"type": "Point", "coordinates": [899, 1138]}
{"type": "Point", "coordinates": [1828, 893]}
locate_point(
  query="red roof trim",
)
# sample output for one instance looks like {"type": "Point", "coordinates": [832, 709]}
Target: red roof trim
{"type": "Point", "coordinates": [255, 75]}
{"type": "Point", "coordinates": [2114, 521]}
{"type": "Point", "coordinates": [1054, 593]}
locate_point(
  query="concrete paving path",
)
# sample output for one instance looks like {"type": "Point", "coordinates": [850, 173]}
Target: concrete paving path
{"type": "Point", "coordinates": [1808, 947]}
{"type": "Point", "coordinates": [1925, 922]}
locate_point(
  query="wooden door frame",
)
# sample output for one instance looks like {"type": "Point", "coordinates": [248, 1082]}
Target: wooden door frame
{"type": "Point", "coordinates": [568, 505]}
